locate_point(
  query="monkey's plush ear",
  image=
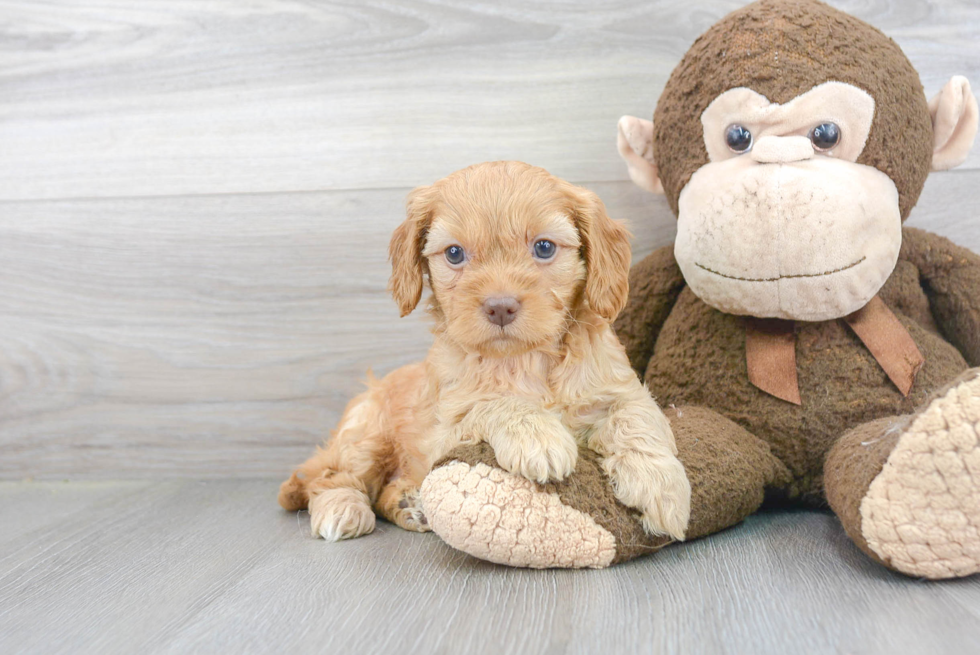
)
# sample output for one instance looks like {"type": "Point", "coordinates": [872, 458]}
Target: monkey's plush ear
{"type": "Point", "coordinates": [954, 123]}
{"type": "Point", "coordinates": [405, 250]}
{"type": "Point", "coordinates": [635, 144]}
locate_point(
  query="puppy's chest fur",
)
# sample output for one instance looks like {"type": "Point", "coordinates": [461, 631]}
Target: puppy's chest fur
{"type": "Point", "coordinates": [562, 383]}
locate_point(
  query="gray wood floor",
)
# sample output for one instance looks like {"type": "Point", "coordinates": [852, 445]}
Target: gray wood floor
{"type": "Point", "coordinates": [195, 201]}
{"type": "Point", "coordinates": [192, 567]}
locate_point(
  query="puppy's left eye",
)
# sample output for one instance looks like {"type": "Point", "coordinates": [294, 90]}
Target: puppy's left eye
{"type": "Point", "coordinates": [455, 255]}
{"type": "Point", "coordinates": [544, 249]}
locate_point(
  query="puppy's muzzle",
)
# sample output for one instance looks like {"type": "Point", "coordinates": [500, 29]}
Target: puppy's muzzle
{"type": "Point", "coordinates": [501, 310]}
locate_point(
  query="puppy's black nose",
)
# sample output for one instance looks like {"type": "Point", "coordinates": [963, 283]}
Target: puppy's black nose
{"type": "Point", "coordinates": [501, 310]}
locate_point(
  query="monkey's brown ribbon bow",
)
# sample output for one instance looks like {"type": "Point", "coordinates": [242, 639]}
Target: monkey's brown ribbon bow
{"type": "Point", "coordinates": [770, 350]}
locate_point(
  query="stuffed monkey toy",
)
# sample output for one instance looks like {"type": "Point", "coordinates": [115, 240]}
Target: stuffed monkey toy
{"type": "Point", "coordinates": [806, 347]}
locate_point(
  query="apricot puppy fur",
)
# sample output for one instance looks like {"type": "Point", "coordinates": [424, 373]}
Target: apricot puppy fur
{"type": "Point", "coordinates": [526, 273]}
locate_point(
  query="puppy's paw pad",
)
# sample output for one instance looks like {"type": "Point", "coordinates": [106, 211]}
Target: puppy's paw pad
{"type": "Point", "coordinates": [410, 515]}
{"type": "Point", "coordinates": [338, 514]}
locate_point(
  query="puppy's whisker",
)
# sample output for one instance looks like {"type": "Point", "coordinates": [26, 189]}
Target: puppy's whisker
{"type": "Point", "coordinates": [570, 321]}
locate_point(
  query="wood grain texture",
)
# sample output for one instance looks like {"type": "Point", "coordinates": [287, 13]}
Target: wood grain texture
{"type": "Point", "coordinates": [221, 336]}
{"type": "Point", "coordinates": [180, 567]}
{"type": "Point", "coordinates": [160, 314]}
{"type": "Point", "coordinates": [161, 98]}
{"type": "Point", "coordinates": [203, 336]}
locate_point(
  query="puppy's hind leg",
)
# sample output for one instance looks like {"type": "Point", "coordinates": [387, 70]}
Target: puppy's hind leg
{"type": "Point", "coordinates": [342, 480]}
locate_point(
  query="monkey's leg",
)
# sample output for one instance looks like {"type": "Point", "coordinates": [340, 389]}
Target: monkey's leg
{"type": "Point", "coordinates": [479, 508]}
{"type": "Point", "coordinates": [730, 470]}
{"type": "Point", "coordinates": [907, 489]}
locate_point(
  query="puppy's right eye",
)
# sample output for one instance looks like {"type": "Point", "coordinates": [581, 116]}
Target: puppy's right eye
{"type": "Point", "coordinates": [455, 255]}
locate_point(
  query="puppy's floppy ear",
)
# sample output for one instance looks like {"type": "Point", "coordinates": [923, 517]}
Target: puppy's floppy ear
{"type": "Point", "coordinates": [405, 249]}
{"type": "Point", "coordinates": [606, 248]}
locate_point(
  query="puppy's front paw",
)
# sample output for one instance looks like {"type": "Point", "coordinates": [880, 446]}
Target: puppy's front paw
{"type": "Point", "coordinates": [342, 513]}
{"type": "Point", "coordinates": [539, 447]}
{"type": "Point", "coordinates": [657, 486]}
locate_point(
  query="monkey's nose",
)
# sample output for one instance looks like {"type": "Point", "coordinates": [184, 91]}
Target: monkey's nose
{"type": "Point", "coordinates": [781, 149]}
{"type": "Point", "coordinates": [501, 310]}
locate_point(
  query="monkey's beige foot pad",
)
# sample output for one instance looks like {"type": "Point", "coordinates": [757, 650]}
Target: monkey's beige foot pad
{"type": "Point", "coordinates": [489, 513]}
{"type": "Point", "coordinates": [499, 516]}
{"type": "Point", "coordinates": [921, 514]}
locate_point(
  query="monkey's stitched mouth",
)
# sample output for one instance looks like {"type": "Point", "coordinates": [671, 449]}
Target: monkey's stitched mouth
{"type": "Point", "coordinates": [781, 277]}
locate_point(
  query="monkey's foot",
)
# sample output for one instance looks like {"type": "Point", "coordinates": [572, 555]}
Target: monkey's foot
{"type": "Point", "coordinates": [921, 513]}
{"type": "Point", "coordinates": [476, 506]}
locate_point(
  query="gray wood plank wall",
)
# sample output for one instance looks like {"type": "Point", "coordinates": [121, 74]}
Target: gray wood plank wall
{"type": "Point", "coordinates": [195, 198]}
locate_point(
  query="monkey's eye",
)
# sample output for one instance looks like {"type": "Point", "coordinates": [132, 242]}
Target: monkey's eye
{"type": "Point", "coordinates": [455, 255]}
{"type": "Point", "coordinates": [544, 249]}
{"type": "Point", "coordinates": [825, 136]}
{"type": "Point", "coordinates": [738, 138]}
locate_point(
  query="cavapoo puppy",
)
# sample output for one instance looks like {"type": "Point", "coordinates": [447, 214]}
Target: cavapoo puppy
{"type": "Point", "coordinates": [526, 272]}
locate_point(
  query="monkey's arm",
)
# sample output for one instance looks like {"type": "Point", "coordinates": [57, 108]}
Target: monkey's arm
{"type": "Point", "coordinates": [655, 283]}
{"type": "Point", "coordinates": [950, 275]}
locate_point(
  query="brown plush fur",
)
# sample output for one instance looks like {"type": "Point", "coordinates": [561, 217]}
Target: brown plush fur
{"type": "Point", "coordinates": [698, 358]}
{"type": "Point", "coordinates": [852, 465]}
{"type": "Point", "coordinates": [782, 48]}
{"type": "Point", "coordinates": [950, 278]}
{"type": "Point", "coordinates": [690, 353]}
{"type": "Point", "coordinates": [730, 473]}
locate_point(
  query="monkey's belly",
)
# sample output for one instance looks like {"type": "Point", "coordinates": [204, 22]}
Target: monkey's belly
{"type": "Point", "coordinates": [699, 359]}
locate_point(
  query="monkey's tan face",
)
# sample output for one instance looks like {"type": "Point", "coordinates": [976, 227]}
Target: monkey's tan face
{"type": "Point", "coordinates": [782, 222]}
